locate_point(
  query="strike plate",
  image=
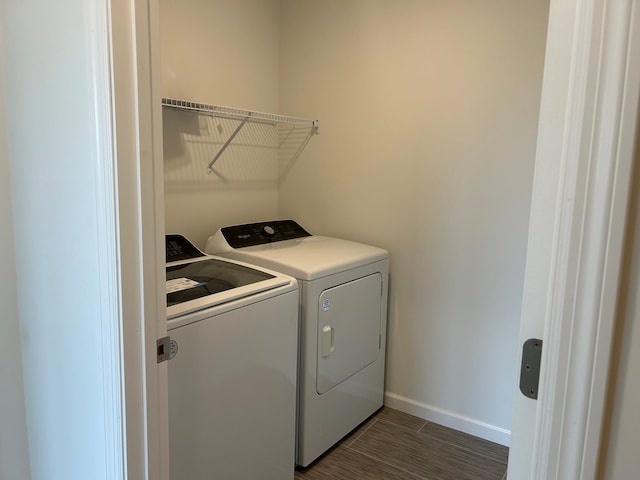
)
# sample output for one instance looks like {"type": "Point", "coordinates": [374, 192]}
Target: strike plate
{"type": "Point", "coordinates": [162, 349]}
{"type": "Point", "coordinates": [530, 368]}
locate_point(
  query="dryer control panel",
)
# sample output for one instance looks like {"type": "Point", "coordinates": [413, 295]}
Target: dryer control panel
{"type": "Point", "coordinates": [239, 236]}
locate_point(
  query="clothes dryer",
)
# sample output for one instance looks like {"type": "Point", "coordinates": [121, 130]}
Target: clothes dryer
{"type": "Point", "coordinates": [343, 320]}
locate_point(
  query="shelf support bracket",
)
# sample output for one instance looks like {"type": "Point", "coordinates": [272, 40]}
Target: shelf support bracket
{"type": "Point", "coordinates": [226, 144]}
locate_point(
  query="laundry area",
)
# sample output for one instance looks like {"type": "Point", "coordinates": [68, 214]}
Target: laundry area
{"type": "Point", "coordinates": [320, 157]}
{"type": "Point", "coordinates": [407, 127]}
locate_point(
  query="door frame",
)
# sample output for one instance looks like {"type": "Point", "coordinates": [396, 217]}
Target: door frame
{"type": "Point", "coordinates": [578, 216]}
{"type": "Point", "coordinates": [126, 53]}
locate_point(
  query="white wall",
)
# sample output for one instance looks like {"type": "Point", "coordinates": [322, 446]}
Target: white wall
{"type": "Point", "coordinates": [428, 117]}
{"type": "Point", "coordinates": [14, 457]}
{"type": "Point", "coordinates": [50, 132]}
{"type": "Point", "coordinates": [220, 52]}
{"type": "Point", "coordinates": [619, 455]}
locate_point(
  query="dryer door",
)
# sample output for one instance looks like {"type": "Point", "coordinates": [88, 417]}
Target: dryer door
{"type": "Point", "coordinates": [349, 317]}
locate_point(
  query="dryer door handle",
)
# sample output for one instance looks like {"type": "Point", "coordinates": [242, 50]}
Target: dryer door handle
{"type": "Point", "coordinates": [327, 341]}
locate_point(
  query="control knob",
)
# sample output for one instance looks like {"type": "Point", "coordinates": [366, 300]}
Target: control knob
{"type": "Point", "coordinates": [268, 231]}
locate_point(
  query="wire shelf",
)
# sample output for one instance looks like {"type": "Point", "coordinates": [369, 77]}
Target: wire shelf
{"type": "Point", "coordinates": [291, 134]}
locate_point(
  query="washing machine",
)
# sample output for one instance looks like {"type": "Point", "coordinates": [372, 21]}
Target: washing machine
{"type": "Point", "coordinates": [232, 371]}
{"type": "Point", "coordinates": [343, 318]}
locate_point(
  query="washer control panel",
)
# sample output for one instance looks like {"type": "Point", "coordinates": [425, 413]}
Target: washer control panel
{"type": "Point", "coordinates": [177, 247]}
{"type": "Point", "coordinates": [239, 236]}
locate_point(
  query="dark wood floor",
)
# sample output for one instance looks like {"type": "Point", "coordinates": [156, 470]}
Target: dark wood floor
{"type": "Point", "coordinates": [392, 445]}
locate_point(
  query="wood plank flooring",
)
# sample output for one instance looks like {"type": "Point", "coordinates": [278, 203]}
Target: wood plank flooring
{"type": "Point", "coordinates": [392, 445]}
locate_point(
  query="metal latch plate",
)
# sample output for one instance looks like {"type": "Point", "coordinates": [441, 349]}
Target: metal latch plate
{"type": "Point", "coordinates": [163, 349]}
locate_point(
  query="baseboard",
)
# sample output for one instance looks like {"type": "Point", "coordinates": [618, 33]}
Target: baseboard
{"type": "Point", "coordinates": [448, 419]}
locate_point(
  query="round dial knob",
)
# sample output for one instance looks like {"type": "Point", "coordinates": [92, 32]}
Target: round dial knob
{"type": "Point", "coordinates": [268, 230]}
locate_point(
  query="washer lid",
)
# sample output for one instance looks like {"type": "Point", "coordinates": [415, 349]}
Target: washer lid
{"type": "Point", "coordinates": [305, 258]}
{"type": "Point", "coordinates": [209, 281]}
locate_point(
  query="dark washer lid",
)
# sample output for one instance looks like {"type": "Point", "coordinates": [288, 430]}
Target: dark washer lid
{"type": "Point", "coordinates": [202, 278]}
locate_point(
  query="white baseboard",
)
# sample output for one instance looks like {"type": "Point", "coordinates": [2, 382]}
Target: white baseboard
{"type": "Point", "coordinates": [448, 419]}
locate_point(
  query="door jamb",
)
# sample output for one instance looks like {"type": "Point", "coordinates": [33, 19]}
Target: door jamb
{"type": "Point", "coordinates": [593, 145]}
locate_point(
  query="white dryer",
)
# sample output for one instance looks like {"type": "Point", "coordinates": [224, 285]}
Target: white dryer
{"type": "Point", "coordinates": [232, 368]}
{"type": "Point", "coordinates": [343, 319]}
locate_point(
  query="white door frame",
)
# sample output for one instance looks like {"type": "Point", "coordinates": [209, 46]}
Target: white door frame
{"type": "Point", "coordinates": [126, 64]}
{"type": "Point", "coordinates": [581, 184]}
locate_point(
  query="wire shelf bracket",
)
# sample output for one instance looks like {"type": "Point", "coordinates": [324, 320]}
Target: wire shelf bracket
{"type": "Point", "coordinates": [293, 133]}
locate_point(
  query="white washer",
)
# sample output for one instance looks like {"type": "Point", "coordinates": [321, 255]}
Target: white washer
{"type": "Point", "coordinates": [232, 372]}
{"type": "Point", "coordinates": [343, 319]}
